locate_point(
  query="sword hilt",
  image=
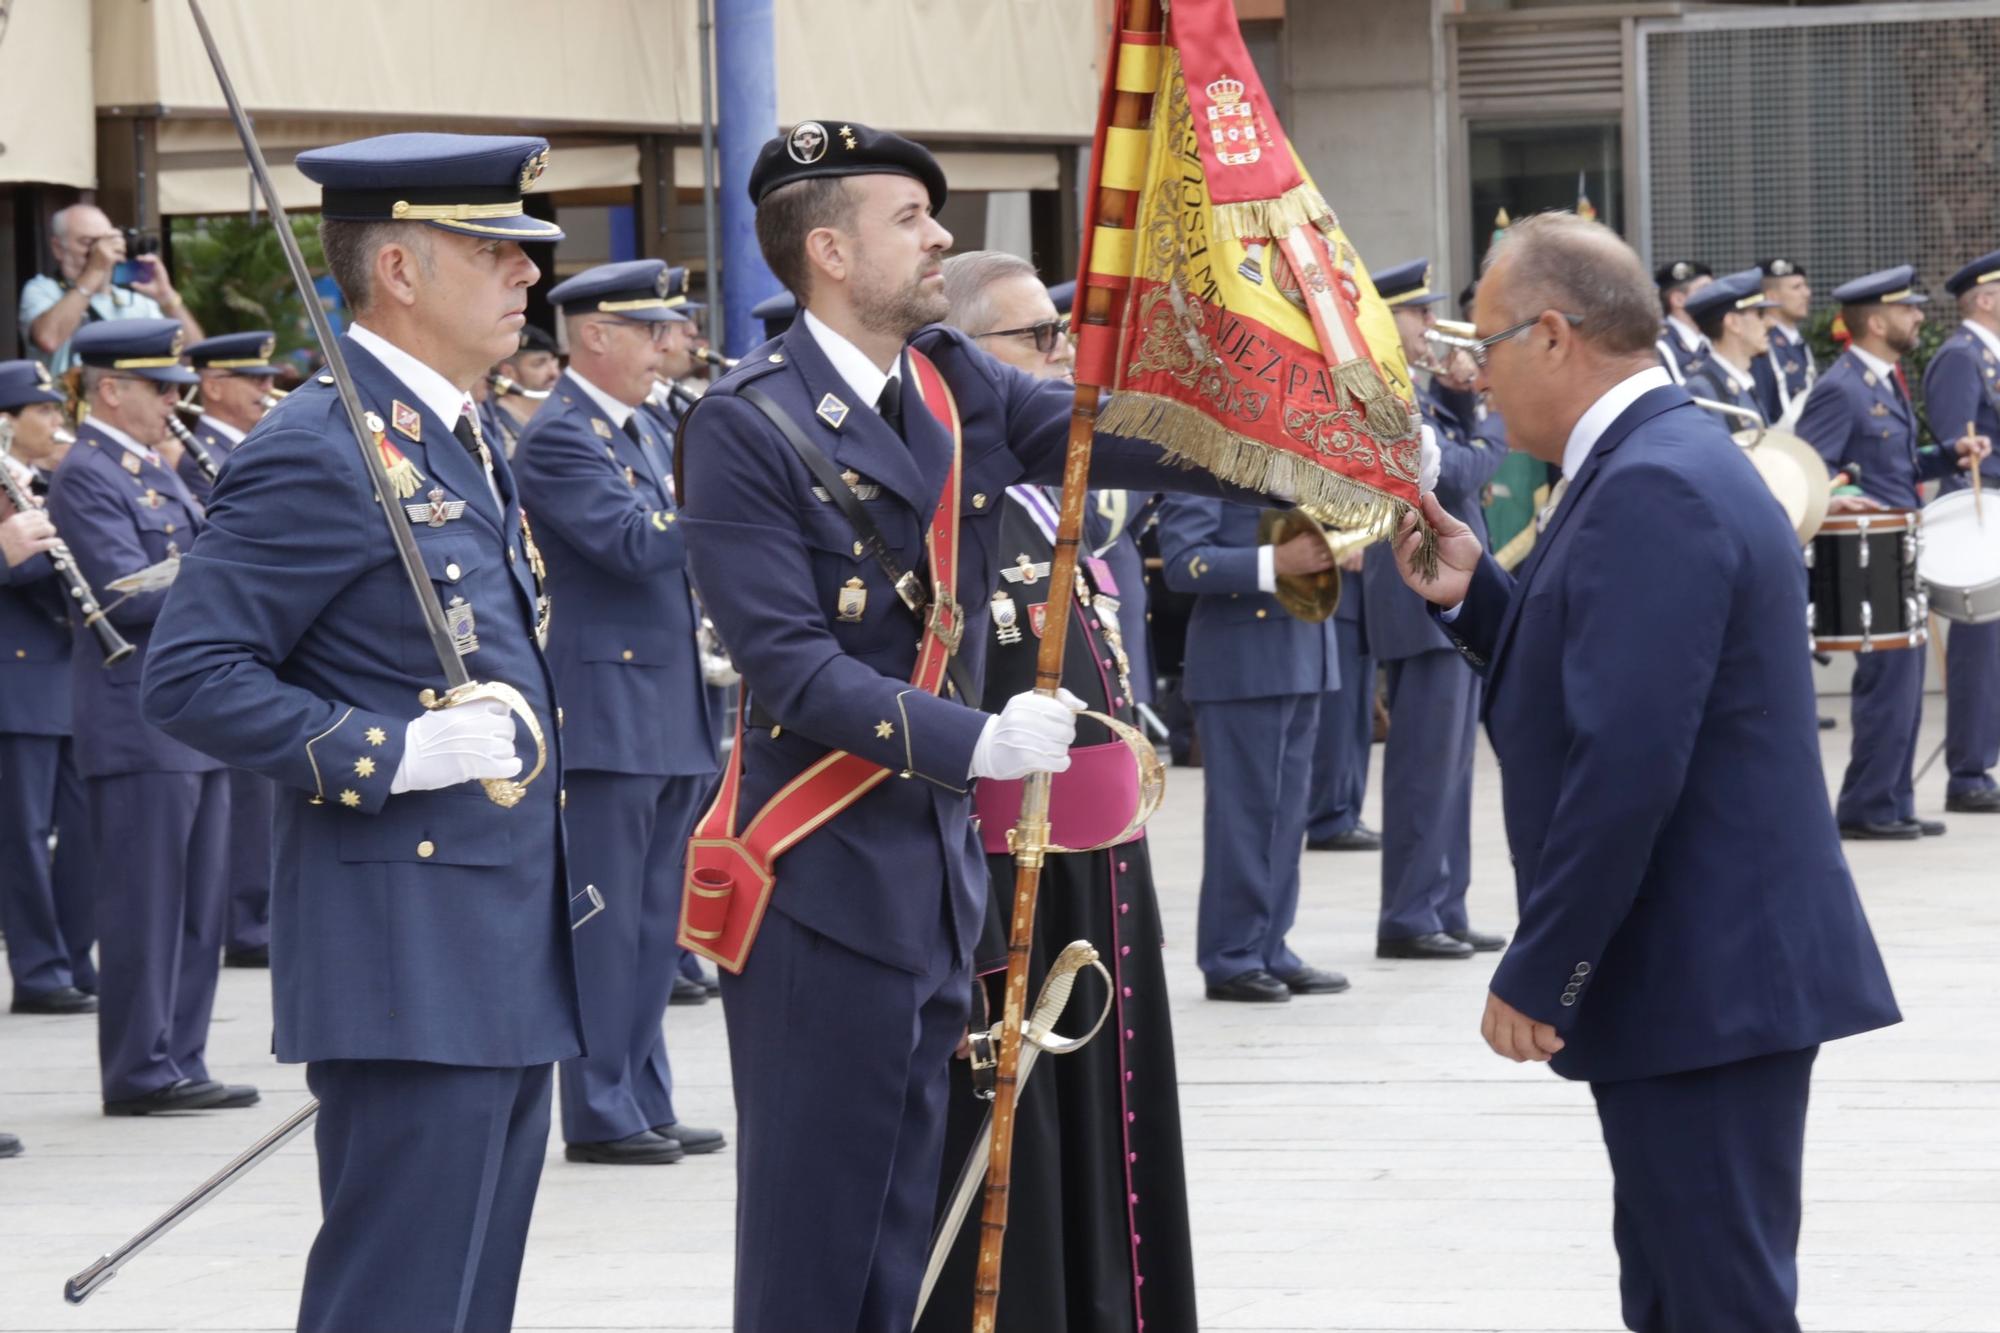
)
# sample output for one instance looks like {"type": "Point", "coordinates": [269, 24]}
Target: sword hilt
{"type": "Point", "coordinates": [503, 792]}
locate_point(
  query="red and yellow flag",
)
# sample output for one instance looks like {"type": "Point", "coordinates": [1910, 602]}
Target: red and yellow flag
{"type": "Point", "coordinates": [1243, 333]}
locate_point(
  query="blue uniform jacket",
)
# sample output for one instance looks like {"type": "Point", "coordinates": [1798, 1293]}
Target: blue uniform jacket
{"type": "Point", "coordinates": [1675, 354]}
{"type": "Point", "coordinates": [34, 650]}
{"type": "Point", "coordinates": [1857, 416]}
{"type": "Point", "coordinates": [1714, 382]}
{"type": "Point", "coordinates": [1240, 643]}
{"type": "Point", "coordinates": [1787, 361]}
{"type": "Point", "coordinates": [219, 448]}
{"type": "Point", "coordinates": [116, 520]}
{"type": "Point", "coordinates": [623, 647]}
{"type": "Point", "coordinates": [770, 559]}
{"type": "Point", "coordinates": [1399, 623]}
{"type": "Point", "coordinates": [1961, 387]}
{"type": "Point", "coordinates": [421, 926]}
{"type": "Point", "coordinates": [1684, 901]}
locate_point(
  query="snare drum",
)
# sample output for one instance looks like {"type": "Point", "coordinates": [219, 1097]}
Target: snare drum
{"type": "Point", "coordinates": [1960, 562]}
{"type": "Point", "coordinates": [1863, 593]}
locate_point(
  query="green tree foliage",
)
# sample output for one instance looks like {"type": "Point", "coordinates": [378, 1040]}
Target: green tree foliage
{"type": "Point", "coordinates": [232, 273]}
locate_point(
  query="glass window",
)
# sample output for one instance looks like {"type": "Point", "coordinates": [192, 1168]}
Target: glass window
{"type": "Point", "coordinates": [1527, 167]}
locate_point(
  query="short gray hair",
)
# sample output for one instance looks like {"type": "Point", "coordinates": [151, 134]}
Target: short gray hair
{"type": "Point", "coordinates": [1566, 263]}
{"type": "Point", "coordinates": [351, 248]}
{"type": "Point", "coordinates": [967, 279]}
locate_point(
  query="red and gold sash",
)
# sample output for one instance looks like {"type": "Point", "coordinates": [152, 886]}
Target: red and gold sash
{"type": "Point", "coordinates": [730, 876]}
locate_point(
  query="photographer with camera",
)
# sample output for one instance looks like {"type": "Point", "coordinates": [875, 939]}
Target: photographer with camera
{"type": "Point", "coordinates": [105, 273]}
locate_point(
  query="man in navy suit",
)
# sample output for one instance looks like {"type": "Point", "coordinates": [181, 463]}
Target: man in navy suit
{"type": "Point", "coordinates": [1729, 313]}
{"type": "Point", "coordinates": [45, 903]}
{"type": "Point", "coordinates": [1961, 394]}
{"type": "Point", "coordinates": [638, 742]}
{"type": "Point", "coordinates": [1787, 372]}
{"type": "Point", "coordinates": [1860, 413]}
{"type": "Point", "coordinates": [1689, 932]}
{"type": "Point", "coordinates": [1680, 344]}
{"type": "Point", "coordinates": [1433, 696]}
{"type": "Point", "coordinates": [159, 810]}
{"type": "Point", "coordinates": [420, 931]}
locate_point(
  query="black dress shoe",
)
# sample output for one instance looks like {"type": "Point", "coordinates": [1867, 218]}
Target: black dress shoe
{"type": "Point", "coordinates": [9, 1146]}
{"type": "Point", "coordinates": [1975, 802]}
{"type": "Point", "coordinates": [258, 957]}
{"type": "Point", "coordinates": [1901, 830]}
{"type": "Point", "coordinates": [1480, 941]}
{"type": "Point", "coordinates": [642, 1149]}
{"type": "Point", "coordinates": [61, 1000]}
{"type": "Point", "coordinates": [1437, 944]}
{"type": "Point", "coordinates": [185, 1095]}
{"type": "Point", "coordinates": [693, 1141]}
{"type": "Point", "coordinates": [236, 1096]}
{"type": "Point", "coordinates": [1360, 838]}
{"type": "Point", "coordinates": [1253, 987]}
{"type": "Point", "coordinates": [687, 992]}
{"type": "Point", "coordinates": [1930, 828]}
{"type": "Point", "coordinates": [1314, 981]}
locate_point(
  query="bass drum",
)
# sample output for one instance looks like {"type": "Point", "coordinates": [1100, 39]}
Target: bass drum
{"type": "Point", "coordinates": [1960, 561]}
{"type": "Point", "coordinates": [1862, 589]}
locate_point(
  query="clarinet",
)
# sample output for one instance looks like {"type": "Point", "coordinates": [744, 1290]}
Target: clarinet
{"type": "Point", "coordinates": [109, 639]}
{"type": "Point", "coordinates": [196, 450]}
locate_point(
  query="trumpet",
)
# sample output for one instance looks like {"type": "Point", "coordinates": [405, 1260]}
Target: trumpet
{"type": "Point", "coordinates": [196, 450]}
{"type": "Point", "coordinates": [1442, 340]}
{"type": "Point", "coordinates": [273, 396]}
{"type": "Point", "coordinates": [504, 386]}
{"type": "Point", "coordinates": [116, 649]}
{"type": "Point", "coordinates": [717, 359]}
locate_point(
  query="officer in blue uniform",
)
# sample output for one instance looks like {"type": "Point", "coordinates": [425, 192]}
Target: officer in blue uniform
{"type": "Point", "coordinates": [236, 379]}
{"type": "Point", "coordinates": [1860, 413]}
{"type": "Point", "coordinates": [638, 743]}
{"type": "Point", "coordinates": [1787, 373]}
{"type": "Point", "coordinates": [1729, 313]}
{"type": "Point", "coordinates": [159, 810]}
{"type": "Point", "coordinates": [845, 1015]}
{"type": "Point", "coordinates": [1961, 392]}
{"type": "Point", "coordinates": [1433, 695]}
{"type": "Point", "coordinates": [420, 931]}
{"type": "Point", "coordinates": [506, 405]}
{"type": "Point", "coordinates": [1346, 731]}
{"type": "Point", "coordinates": [45, 905]}
{"type": "Point", "coordinates": [1680, 344]}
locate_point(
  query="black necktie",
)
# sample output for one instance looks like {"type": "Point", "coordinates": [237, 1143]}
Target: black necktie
{"type": "Point", "coordinates": [654, 464]}
{"type": "Point", "coordinates": [890, 404]}
{"type": "Point", "coordinates": [467, 434]}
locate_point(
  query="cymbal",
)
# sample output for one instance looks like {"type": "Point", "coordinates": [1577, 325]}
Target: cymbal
{"type": "Point", "coordinates": [1795, 474]}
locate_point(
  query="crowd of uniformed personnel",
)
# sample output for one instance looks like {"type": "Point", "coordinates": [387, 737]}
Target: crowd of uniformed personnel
{"type": "Point", "coordinates": [274, 774]}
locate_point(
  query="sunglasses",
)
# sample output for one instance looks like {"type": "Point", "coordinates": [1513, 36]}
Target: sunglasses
{"type": "Point", "coordinates": [160, 387]}
{"type": "Point", "coordinates": [1046, 333]}
{"type": "Point", "coordinates": [1484, 346]}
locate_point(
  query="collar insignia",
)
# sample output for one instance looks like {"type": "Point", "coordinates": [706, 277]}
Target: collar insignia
{"type": "Point", "coordinates": [409, 422]}
{"type": "Point", "coordinates": [832, 411]}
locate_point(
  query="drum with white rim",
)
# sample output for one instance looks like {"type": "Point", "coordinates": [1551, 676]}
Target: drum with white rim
{"type": "Point", "coordinates": [1960, 561]}
{"type": "Point", "coordinates": [1862, 590]}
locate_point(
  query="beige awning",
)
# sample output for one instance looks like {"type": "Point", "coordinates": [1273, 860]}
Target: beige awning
{"type": "Point", "coordinates": [48, 126]}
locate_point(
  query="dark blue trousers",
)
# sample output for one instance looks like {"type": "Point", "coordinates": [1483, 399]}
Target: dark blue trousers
{"type": "Point", "coordinates": [1887, 709]}
{"type": "Point", "coordinates": [1257, 757]}
{"type": "Point", "coordinates": [1972, 707]}
{"type": "Point", "coordinates": [47, 905]}
{"type": "Point", "coordinates": [253, 813]}
{"type": "Point", "coordinates": [1706, 1169]}
{"type": "Point", "coordinates": [1427, 795]}
{"type": "Point", "coordinates": [427, 1175]}
{"type": "Point", "coordinates": [839, 1066]}
{"type": "Point", "coordinates": [627, 835]}
{"type": "Point", "coordinates": [1346, 731]}
{"type": "Point", "coordinates": [162, 855]}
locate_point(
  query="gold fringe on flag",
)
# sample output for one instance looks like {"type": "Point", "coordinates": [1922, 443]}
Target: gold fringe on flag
{"type": "Point", "coordinates": [1257, 219]}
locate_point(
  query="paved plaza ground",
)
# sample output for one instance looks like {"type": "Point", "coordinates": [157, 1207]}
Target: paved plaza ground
{"type": "Point", "coordinates": [1357, 1162]}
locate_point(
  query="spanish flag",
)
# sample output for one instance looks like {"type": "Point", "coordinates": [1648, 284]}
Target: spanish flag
{"type": "Point", "coordinates": [1224, 305]}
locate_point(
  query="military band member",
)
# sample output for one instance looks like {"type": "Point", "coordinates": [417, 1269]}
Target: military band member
{"type": "Point", "coordinates": [236, 380]}
{"type": "Point", "coordinates": [1680, 344]}
{"type": "Point", "coordinates": [1961, 394]}
{"type": "Point", "coordinates": [856, 994]}
{"type": "Point", "coordinates": [638, 743]}
{"type": "Point", "coordinates": [1860, 413]}
{"type": "Point", "coordinates": [45, 903]}
{"type": "Point", "coordinates": [507, 407]}
{"type": "Point", "coordinates": [420, 943]}
{"type": "Point", "coordinates": [1729, 313]}
{"type": "Point", "coordinates": [1346, 729]}
{"type": "Point", "coordinates": [159, 810]}
{"type": "Point", "coordinates": [1786, 375]}
{"type": "Point", "coordinates": [1434, 696]}
{"type": "Point", "coordinates": [669, 398]}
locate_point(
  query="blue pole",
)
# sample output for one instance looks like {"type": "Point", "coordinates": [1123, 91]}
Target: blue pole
{"type": "Point", "coordinates": [747, 97]}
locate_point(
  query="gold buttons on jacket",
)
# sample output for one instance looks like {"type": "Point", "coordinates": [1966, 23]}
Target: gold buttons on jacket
{"type": "Point", "coordinates": [979, 500]}
{"type": "Point", "coordinates": [426, 849]}
{"type": "Point", "coordinates": [627, 654]}
{"type": "Point", "coordinates": [1262, 613]}
{"type": "Point", "coordinates": [452, 571]}
{"type": "Point", "coordinates": [20, 652]}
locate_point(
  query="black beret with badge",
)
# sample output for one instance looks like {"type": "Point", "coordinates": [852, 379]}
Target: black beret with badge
{"type": "Point", "coordinates": [813, 149]}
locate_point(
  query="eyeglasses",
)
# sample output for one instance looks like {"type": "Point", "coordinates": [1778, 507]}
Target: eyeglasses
{"type": "Point", "coordinates": [1046, 333]}
{"type": "Point", "coordinates": [1481, 348]}
{"type": "Point", "coordinates": [160, 387]}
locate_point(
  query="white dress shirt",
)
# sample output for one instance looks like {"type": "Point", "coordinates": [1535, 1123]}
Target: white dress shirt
{"type": "Point", "coordinates": [853, 365]}
{"type": "Point", "coordinates": [1869, 361]}
{"type": "Point", "coordinates": [126, 442]}
{"type": "Point", "coordinates": [446, 400]}
{"type": "Point", "coordinates": [224, 429]}
{"type": "Point", "coordinates": [620, 413]}
{"type": "Point", "coordinates": [1985, 335]}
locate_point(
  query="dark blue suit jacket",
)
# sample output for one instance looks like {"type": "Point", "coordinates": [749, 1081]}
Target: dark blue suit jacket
{"type": "Point", "coordinates": [34, 650]}
{"type": "Point", "coordinates": [1684, 901]}
{"type": "Point", "coordinates": [1857, 416]}
{"type": "Point", "coordinates": [117, 521]}
{"type": "Point", "coordinates": [1399, 623]}
{"type": "Point", "coordinates": [770, 560]}
{"type": "Point", "coordinates": [1240, 643]}
{"type": "Point", "coordinates": [420, 926]}
{"type": "Point", "coordinates": [622, 641]}
{"type": "Point", "coordinates": [1962, 387]}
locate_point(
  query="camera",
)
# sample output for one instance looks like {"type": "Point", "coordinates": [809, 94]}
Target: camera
{"type": "Point", "coordinates": [140, 248]}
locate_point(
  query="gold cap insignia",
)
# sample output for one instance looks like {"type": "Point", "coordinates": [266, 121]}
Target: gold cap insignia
{"type": "Point", "coordinates": [532, 169]}
{"type": "Point", "coordinates": [180, 341]}
{"type": "Point", "coordinates": [268, 346]}
{"type": "Point", "coordinates": [664, 284]}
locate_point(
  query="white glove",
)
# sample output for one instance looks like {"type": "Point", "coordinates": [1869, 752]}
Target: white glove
{"type": "Point", "coordinates": [1429, 459]}
{"type": "Point", "coordinates": [1032, 734]}
{"type": "Point", "coordinates": [454, 745]}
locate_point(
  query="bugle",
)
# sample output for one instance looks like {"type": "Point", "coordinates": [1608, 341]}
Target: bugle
{"type": "Point", "coordinates": [1443, 340]}
{"type": "Point", "coordinates": [716, 359]}
{"type": "Point", "coordinates": [506, 388]}
{"type": "Point", "coordinates": [116, 649]}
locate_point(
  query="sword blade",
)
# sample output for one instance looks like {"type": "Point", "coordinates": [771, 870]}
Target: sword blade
{"type": "Point", "coordinates": [971, 1179]}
